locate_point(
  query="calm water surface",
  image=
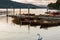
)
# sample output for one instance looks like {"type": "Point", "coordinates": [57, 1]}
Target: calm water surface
{"type": "Point", "coordinates": [11, 31]}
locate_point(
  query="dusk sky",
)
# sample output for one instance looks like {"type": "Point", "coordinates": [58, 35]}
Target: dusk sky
{"type": "Point", "coordinates": [38, 2]}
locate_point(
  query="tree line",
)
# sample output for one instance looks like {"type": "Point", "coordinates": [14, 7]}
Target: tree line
{"type": "Point", "coordinates": [54, 5]}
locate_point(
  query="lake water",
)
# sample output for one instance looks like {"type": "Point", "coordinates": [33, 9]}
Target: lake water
{"type": "Point", "coordinates": [11, 31]}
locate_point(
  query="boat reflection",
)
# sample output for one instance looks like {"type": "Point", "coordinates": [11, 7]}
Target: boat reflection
{"type": "Point", "coordinates": [50, 26]}
{"type": "Point", "coordinates": [35, 24]}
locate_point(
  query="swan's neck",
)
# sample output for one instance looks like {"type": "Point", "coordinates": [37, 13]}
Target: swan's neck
{"type": "Point", "coordinates": [39, 37]}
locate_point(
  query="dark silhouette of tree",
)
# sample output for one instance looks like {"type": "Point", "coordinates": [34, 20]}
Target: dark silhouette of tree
{"type": "Point", "coordinates": [54, 5]}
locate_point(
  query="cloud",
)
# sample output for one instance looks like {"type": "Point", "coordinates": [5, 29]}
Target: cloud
{"type": "Point", "coordinates": [38, 2]}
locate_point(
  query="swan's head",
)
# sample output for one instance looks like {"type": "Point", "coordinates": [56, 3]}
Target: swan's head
{"type": "Point", "coordinates": [38, 34]}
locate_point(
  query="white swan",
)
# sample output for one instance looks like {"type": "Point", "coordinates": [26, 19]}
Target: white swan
{"type": "Point", "coordinates": [39, 37]}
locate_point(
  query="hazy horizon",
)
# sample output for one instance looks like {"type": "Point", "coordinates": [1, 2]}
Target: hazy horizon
{"type": "Point", "coordinates": [36, 2]}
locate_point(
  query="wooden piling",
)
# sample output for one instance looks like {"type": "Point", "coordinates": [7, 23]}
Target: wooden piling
{"type": "Point", "coordinates": [7, 14]}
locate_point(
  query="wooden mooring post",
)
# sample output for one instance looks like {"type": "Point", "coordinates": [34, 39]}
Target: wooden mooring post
{"type": "Point", "coordinates": [28, 19]}
{"type": "Point", "coordinates": [7, 14]}
{"type": "Point", "coordinates": [20, 17]}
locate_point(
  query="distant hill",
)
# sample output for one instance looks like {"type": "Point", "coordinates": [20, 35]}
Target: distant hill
{"type": "Point", "coordinates": [12, 4]}
{"type": "Point", "coordinates": [43, 6]}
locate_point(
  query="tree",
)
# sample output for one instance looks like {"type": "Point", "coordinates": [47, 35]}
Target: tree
{"type": "Point", "coordinates": [54, 5]}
